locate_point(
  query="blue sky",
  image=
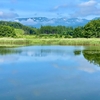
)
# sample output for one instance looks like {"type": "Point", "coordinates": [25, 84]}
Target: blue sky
{"type": "Point", "coordinates": [10, 9]}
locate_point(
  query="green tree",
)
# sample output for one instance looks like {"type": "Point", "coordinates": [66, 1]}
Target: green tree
{"type": "Point", "coordinates": [92, 29]}
{"type": "Point", "coordinates": [7, 31]}
{"type": "Point", "coordinates": [78, 32]}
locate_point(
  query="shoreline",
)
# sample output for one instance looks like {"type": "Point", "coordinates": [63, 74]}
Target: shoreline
{"type": "Point", "coordinates": [49, 41]}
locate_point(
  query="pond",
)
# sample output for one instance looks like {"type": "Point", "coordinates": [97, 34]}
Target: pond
{"type": "Point", "coordinates": [50, 73]}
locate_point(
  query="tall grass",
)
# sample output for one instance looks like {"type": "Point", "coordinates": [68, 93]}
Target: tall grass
{"type": "Point", "coordinates": [57, 41]}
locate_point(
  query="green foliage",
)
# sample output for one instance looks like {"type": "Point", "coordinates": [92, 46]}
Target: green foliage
{"type": "Point", "coordinates": [90, 53]}
{"type": "Point", "coordinates": [19, 33]}
{"type": "Point", "coordinates": [7, 31]}
{"type": "Point", "coordinates": [16, 25]}
{"type": "Point", "coordinates": [78, 32]}
{"type": "Point", "coordinates": [90, 30]}
{"type": "Point", "coordinates": [6, 51]}
{"type": "Point", "coordinates": [56, 31]}
{"type": "Point", "coordinates": [77, 52]}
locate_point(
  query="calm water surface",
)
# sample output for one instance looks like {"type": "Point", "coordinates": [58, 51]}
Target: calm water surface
{"type": "Point", "coordinates": [50, 73]}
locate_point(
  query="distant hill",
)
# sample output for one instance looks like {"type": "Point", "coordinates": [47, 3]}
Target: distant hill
{"type": "Point", "coordinates": [38, 21]}
{"type": "Point", "coordinates": [16, 25]}
{"type": "Point", "coordinates": [96, 18]}
{"type": "Point", "coordinates": [58, 28]}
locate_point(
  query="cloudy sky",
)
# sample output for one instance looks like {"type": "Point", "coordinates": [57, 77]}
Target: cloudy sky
{"type": "Point", "coordinates": [10, 9]}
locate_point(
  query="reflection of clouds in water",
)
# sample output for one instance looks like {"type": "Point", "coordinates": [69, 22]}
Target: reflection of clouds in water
{"type": "Point", "coordinates": [60, 67]}
{"type": "Point", "coordinates": [77, 63]}
{"type": "Point", "coordinates": [8, 59]}
{"type": "Point", "coordinates": [68, 71]}
{"type": "Point", "coordinates": [39, 53]}
{"type": "Point", "coordinates": [90, 68]}
{"type": "Point", "coordinates": [68, 63]}
{"type": "Point", "coordinates": [47, 53]}
{"type": "Point", "coordinates": [30, 56]}
{"type": "Point", "coordinates": [1, 60]}
{"type": "Point", "coordinates": [85, 66]}
{"type": "Point", "coordinates": [30, 53]}
{"type": "Point", "coordinates": [43, 58]}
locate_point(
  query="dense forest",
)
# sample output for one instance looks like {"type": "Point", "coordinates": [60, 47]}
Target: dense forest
{"type": "Point", "coordinates": [90, 30]}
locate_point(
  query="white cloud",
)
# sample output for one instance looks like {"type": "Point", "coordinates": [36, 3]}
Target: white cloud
{"type": "Point", "coordinates": [88, 8]}
{"type": "Point", "coordinates": [98, 5]}
{"type": "Point", "coordinates": [49, 22]}
{"type": "Point", "coordinates": [1, 13]}
{"type": "Point", "coordinates": [7, 15]}
{"type": "Point", "coordinates": [56, 7]}
{"type": "Point", "coordinates": [28, 22]}
{"type": "Point", "coordinates": [32, 22]}
{"type": "Point", "coordinates": [82, 9]}
{"type": "Point", "coordinates": [59, 7]}
{"type": "Point", "coordinates": [89, 3]}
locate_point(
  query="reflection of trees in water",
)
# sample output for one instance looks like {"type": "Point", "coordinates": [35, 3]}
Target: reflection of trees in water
{"type": "Point", "coordinates": [32, 52]}
{"type": "Point", "coordinates": [77, 52]}
{"type": "Point", "coordinates": [5, 51]}
{"type": "Point", "coordinates": [92, 54]}
{"type": "Point", "coordinates": [46, 52]}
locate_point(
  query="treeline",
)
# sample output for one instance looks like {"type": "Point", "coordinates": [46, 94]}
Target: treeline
{"type": "Point", "coordinates": [90, 30]}
{"type": "Point", "coordinates": [56, 31]}
{"type": "Point", "coordinates": [6, 26]}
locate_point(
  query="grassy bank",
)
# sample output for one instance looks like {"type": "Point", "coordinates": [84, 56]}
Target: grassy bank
{"type": "Point", "coordinates": [55, 41]}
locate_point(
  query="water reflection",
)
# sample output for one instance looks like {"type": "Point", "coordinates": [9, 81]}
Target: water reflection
{"type": "Point", "coordinates": [49, 73]}
{"type": "Point", "coordinates": [6, 51]}
{"type": "Point", "coordinates": [77, 52]}
{"type": "Point", "coordinates": [90, 53]}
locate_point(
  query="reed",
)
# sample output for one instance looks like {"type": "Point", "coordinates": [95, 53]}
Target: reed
{"type": "Point", "coordinates": [49, 41]}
